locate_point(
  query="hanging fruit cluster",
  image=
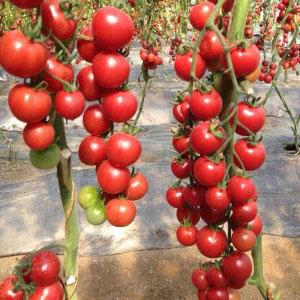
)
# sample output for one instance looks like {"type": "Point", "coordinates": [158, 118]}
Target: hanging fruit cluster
{"type": "Point", "coordinates": [112, 153]}
{"type": "Point", "coordinates": [149, 56]}
{"type": "Point", "coordinates": [34, 278]}
{"type": "Point", "coordinates": [211, 188]}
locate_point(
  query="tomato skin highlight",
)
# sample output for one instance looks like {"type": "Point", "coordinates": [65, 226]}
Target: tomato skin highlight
{"type": "Point", "coordinates": [186, 235]}
{"type": "Point", "coordinates": [120, 212]}
{"type": "Point", "coordinates": [15, 49]}
{"type": "Point", "coordinates": [38, 136]}
{"type": "Point", "coordinates": [181, 169]}
{"type": "Point", "coordinates": [137, 187]}
{"type": "Point", "coordinates": [54, 291]}
{"type": "Point", "coordinates": [112, 28]}
{"type": "Point", "coordinates": [216, 278]}
{"type": "Point", "coordinates": [29, 105]}
{"type": "Point", "coordinates": [194, 195]}
{"type": "Point", "coordinates": [7, 289]}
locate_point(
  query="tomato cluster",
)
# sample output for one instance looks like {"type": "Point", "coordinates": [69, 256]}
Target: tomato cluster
{"type": "Point", "coordinates": [205, 190]}
{"type": "Point", "coordinates": [104, 81]}
{"type": "Point", "coordinates": [36, 277]}
{"type": "Point", "coordinates": [149, 56]}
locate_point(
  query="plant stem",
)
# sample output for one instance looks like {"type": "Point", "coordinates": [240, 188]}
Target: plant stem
{"type": "Point", "coordinates": [66, 187]}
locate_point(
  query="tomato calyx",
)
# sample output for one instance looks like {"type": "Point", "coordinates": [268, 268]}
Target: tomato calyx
{"type": "Point", "coordinates": [176, 184]}
{"type": "Point", "coordinates": [186, 223]}
{"type": "Point", "coordinates": [33, 31]}
{"type": "Point", "coordinates": [215, 158]}
{"type": "Point", "coordinates": [131, 129]}
{"type": "Point", "coordinates": [66, 7]}
{"type": "Point", "coordinates": [253, 139]}
{"type": "Point", "coordinates": [253, 101]}
{"type": "Point", "coordinates": [214, 129]}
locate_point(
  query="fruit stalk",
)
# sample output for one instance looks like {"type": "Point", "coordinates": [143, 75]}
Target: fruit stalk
{"type": "Point", "coordinates": [66, 187]}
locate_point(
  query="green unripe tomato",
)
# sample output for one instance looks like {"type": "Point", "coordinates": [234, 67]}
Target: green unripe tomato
{"type": "Point", "coordinates": [45, 159]}
{"type": "Point", "coordinates": [88, 196]}
{"type": "Point", "coordinates": [95, 215]}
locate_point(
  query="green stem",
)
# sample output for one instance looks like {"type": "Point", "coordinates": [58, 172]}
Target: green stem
{"type": "Point", "coordinates": [66, 187]}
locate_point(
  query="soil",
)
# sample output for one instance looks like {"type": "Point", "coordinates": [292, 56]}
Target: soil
{"type": "Point", "coordinates": [165, 274]}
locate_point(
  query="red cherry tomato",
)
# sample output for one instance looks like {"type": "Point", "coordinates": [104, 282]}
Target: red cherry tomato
{"type": "Point", "coordinates": [38, 136]}
{"type": "Point", "coordinates": [20, 56]}
{"type": "Point", "coordinates": [233, 294]}
{"type": "Point", "coordinates": [253, 118]}
{"type": "Point", "coordinates": [181, 168]}
{"type": "Point", "coordinates": [245, 60]}
{"type": "Point", "coordinates": [217, 198]}
{"type": "Point", "coordinates": [217, 294]}
{"type": "Point", "coordinates": [112, 28]}
{"type": "Point", "coordinates": [210, 46]}
{"type": "Point", "coordinates": [181, 111]}
{"type": "Point", "coordinates": [200, 13]}
{"type": "Point", "coordinates": [243, 239]}
{"type": "Point", "coordinates": [54, 291]}
{"type": "Point", "coordinates": [92, 150]}
{"type": "Point", "coordinates": [237, 267]}
{"type": "Point", "coordinates": [211, 243]}
{"type": "Point", "coordinates": [183, 65]}
{"type": "Point", "coordinates": [216, 278]}
{"type": "Point", "coordinates": [45, 268]}
{"type": "Point", "coordinates": [189, 214]}
{"type": "Point", "coordinates": [110, 69]}
{"type": "Point", "coordinates": [211, 216]}
{"type": "Point", "coordinates": [120, 106]}
{"type": "Point", "coordinates": [181, 143]}
{"type": "Point", "coordinates": [112, 180]}
{"type": "Point", "coordinates": [205, 106]}
{"type": "Point", "coordinates": [123, 149]}
{"type": "Point", "coordinates": [251, 156]}
{"type": "Point", "coordinates": [56, 69]}
{"type": "Point", "coordinates": [240, 189]}
{"type": "Point", "coordinates": [87, 49]}
{"type": "Point", "coordinates": [209, 173]}
{"type": "Point", "coordinates": [193, 195]}
{"type": "Point", "coordinates": [137, 187]}
{"type": "Point", "coordinates": [202, 295]}
{"type": "Point", "coordinates": [69, 105]}
{"type": "Point", "coordinates": [95, 120]}
{"type": "Point", "coordinates": [87, 85]}
{"type": "Point", "coordinates": [186, 235]}
{"type": "Point", "coordinates": [54, 20]}
{"type": "Point", "coordinates": [244, 213]}
{"type": "Point", "coordinates": [204, 139]}
{"type": "Point", "coordinates": [174, 196]}
{"type": "Point", "coordinates": [199, 280]}
{"type": "Point", "coordinates": [29, 105]}
{"type": "Point", "coordinates": [26, 4]}
{"type": "Point", "coordinates": [7, 289]}
{"type": "Point", "coordinates": [120, 212]}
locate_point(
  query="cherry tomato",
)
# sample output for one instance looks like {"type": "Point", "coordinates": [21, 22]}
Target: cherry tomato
{"type": "Point", "coordinates": [237, 267]}
{"type": "Point", "coordinates": [256, 225]}
{"type": "Point", "coordinates": [253, 118]}
{"type": "Point", "coordinates": [204, 139]}
{"type": "Point", "coordinates": [243, 239]}
{"type": "Point", "coordinates": [233, 294]}
{"type": "Point", "coordinates": [211, 216]}
{"type": "Point", "coordinates": [92, 150]}
{"type": "Point", "coordinates": [210, 46]}
{"type": "Point", "coordinates": [26, 4]}
{"type": "Point", "coordinates": [95, 120]}
{"type": "Point", "coordinates": [245, 60]}
{"type": "Point", "coordinates": [244, 213]}
{"type": "Point", "coordinates": [7, 289]}
{"type": "Point", "coordinates": [194, 195]}
{"type": "Point", "coordinates": [252, 77]}
{"type": "Point", "coordinates": [205, 106]}
{"type": "Point", "coordinates": [209, 173]}
{"type": "Point", "coordinates": [123, 149]}
{"type": "Point", "coordinates": [181, 143]}
{"type": "Point", "coordinates": [137, 187]}
{"type": "Point", "coordinates": [181, 111]}
{"type": "Point", "coordinates": [112, 180]}
{"type": "Point", "coordinates": [186, 235]}
{"type": "Point", "coordinates": [120, 106]}
{"type": "Point", "coordinates": [87, 85]}
{"type": "Point", "coordinates": [120, 212]}
{"type": "Point", "coordinates": [54, 20]}
{"type": "Point", "coordinates": [217, 294]}
{"type": "Point", "coordinates": [57, 69]}
{"type": "Point", "coordinates": [20, 56]}
{"type": "Point", "coordinates": [38, 136]}
{"type": "Point", "coordinates": [183, 65]}
{"type": "Point", "coordinates": [181, 168]}
{"type": "Point", "coordinates": [45, 268]}
{"type": "Point", "coordinates": [199, 280]}
{"type": "Point", "coordinates": [227, 6]}
{"type": "Point", "coordinates": [112, 28]}
{"type": "Point", "coordinates": [110, 69]}
{"type": "Point", "coordinates": [29, 105]}
{"type": "Point", "coordinates": [189, 214]}
{"type": "Point", "coordinates": [87, 49]}
{"type": "Point", "coordinates": [251, 156]}
{"type": "Point", "coordinates": [88, 196]}
{"type": "Point", "coordinates": [200, 13]}
{"type": "Point", "coordinates": [69, 105]}
{"type": "Point", "coordinates": [95, 214]}
{"type": "Point", "coordinates": [174, 196]}
{"type": "Point", "coordinates": [240, 189]}
{"type": "Point", "coordinates": [54, 291]}
{"type": "Point", "coordinates": [216, 278]}
{"type": "Point", "coordinates": [211, 243]}
{"type": "Point", "coordinates": [217, 198]}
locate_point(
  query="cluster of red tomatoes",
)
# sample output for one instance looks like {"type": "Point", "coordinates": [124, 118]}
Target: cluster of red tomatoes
{"type": "Point", "coordinates": [205, 189]}
{"type": "Point", "coordinates": [102, 81]}
{"type": "Point", "coordinates": [289, 24]}
{"type": "Point", "coordinates": [268, 71]}
{"type": "Point", "coordinates": [149, 56]}
{"type": "Point", "coordinates": [36, 276]}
